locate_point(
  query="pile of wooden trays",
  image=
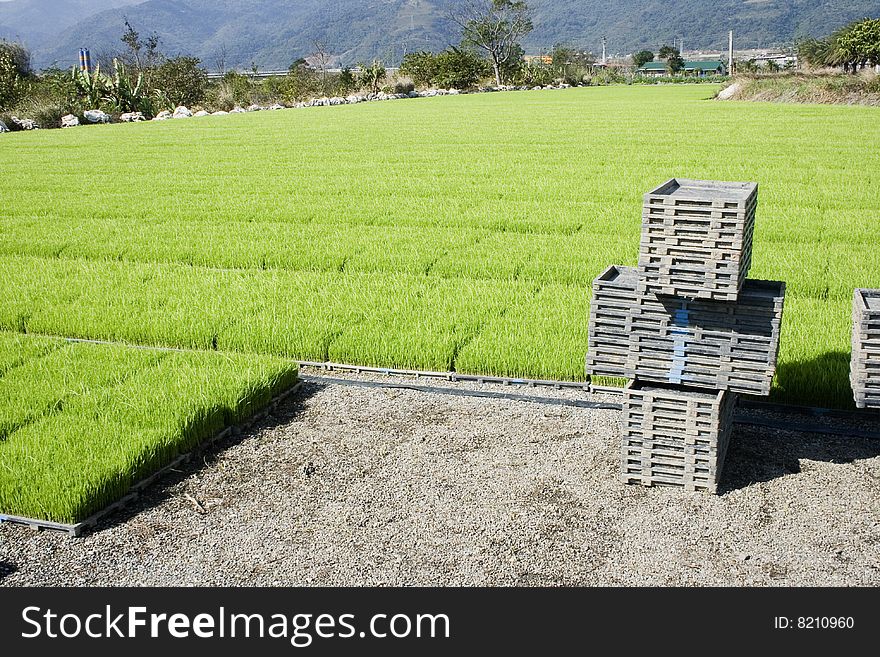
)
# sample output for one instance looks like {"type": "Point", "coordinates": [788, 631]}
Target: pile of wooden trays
{"type": "Point", "coordinates": [689, 329]}
{"type": "Point", "coordinates": [865, 360]}
{"type": "Point", "coordinates": [675, 435]}
{"type": "Point", "coordinates": [697, 238]}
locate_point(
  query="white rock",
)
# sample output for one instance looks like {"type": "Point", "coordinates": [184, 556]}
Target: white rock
{"type": "Point", "coordinates": [277, 106]}
{"type": "Point", "coordinates": [3, 127]}
{"type": "Point", "coordinates": [201, 113]}
{"type": "Point", "coordinates": [162, 116]}
{"type": "Point", "coordinates": [413, 94]}
{"type": "Point", "coordinates": [255, 108]}
{"type": "Point", "coordinates": [237, 110]}
{"type": "Point", "coordinates": [25, 124]}
{"type": "Point", "coordinates": [182, 112]}
{"type": "Point", "coordinates": [352, 100]}
{"type": "Point", "coordinates": [728, 92]}
{"type": "Point", "coordinates": [132, 117]}
{"type": "Point", "coordinates": [69, 121]}
{"type": "Point", "coordinates": [96, 116]}
{"type": "Point", "coordinates": [453, 92]}
{"type": "Point", "coordinates": [219, 113]}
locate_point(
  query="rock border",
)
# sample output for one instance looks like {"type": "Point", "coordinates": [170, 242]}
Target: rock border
{"type": "Point", "coordinates": [96, 116]}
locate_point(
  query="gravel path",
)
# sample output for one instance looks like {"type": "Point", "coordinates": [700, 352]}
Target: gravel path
{"type": "Point", "coordinates": [349, 485]}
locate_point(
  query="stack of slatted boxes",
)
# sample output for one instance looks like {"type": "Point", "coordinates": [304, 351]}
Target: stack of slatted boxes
{"type": "Point", "coordinates": [689, 329]}
{"type": "Point", "coordinates": [865, 361]}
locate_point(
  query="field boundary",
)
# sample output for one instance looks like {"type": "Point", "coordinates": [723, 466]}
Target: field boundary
{"type": "Point", "coordinates": [743, 416]}
{"type": "Point", "coordinates": [75, 530]}
{"type": "Point", "coordinates": [586, 386]}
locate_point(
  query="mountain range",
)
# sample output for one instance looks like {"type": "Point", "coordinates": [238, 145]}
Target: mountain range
{"type": "Point", "coordinates": [273, 33]}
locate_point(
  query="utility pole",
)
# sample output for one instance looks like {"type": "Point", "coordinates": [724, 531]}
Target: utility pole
{"type": "Point", "coordinates": [730, 53]}
{"type": "Point", "coordinates": [604, 56]}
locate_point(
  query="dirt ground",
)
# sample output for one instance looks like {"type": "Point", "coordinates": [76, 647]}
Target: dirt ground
{"type": "Point", "coordinates": [360, 485]}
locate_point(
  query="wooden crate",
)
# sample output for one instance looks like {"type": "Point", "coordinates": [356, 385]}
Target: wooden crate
{"type": "Point", "coordinates": [675, 436]}
{"type": "Point", "coordinates": [697, 238]}
{"type": "Point", "coordinates": [719, 345]}
{"type": "Point", "coordinates": [614, 292]}
{"type": "Point", "coordinates": [865, 359]}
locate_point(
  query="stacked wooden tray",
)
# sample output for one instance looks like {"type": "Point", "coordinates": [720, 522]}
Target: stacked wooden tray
{"type": "Point", "coordinates": [865, 360]}
{"type": "Point", "coordinates": [613, 294]}
{"type": "Point", "coordinates": [719, 345]}
{"type": "Point", "coordinates": [675, 436]}
{"type": "Point", "coordinates": [709, 344]}
{"type": "Point", "coordinates": [690, 331]}
{"type": "Point", "coordinates": [697, 238]}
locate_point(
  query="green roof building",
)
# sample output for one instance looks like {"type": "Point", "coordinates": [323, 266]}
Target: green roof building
{"type": "Point", "coordinates": [699, 68]}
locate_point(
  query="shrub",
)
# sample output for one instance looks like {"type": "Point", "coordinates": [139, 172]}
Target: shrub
{"type": "Point", "coordinates": [403, 86]}
{"type": "Point", "coordinates": [346, 82]}
{"type": "Point", "coordinates": [372, 76]}
{"type": "Point", "coordinates": [459, 69]}
{"type": "Point", "coordinates": [533, 75]}
{"type": "Point", "coordinates": [421, 67]}
{"type": "Point", "coordinates": [181, 80]}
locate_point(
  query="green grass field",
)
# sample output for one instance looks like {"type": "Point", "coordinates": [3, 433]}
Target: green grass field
{"type": "Point", "coordinates": [447, 233]}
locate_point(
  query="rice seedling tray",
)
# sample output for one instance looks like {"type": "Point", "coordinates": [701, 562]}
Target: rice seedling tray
{"type": "Point", "coordinates": [696, 238]}
{"type": "Point", "coordinates": [613, 294]}
{"type": "Point", "coordinates": [865, 356]}
{"type": "Point", "coordinates": [78, 529]}
{"type": "Point", "coordinates": [675, 436]}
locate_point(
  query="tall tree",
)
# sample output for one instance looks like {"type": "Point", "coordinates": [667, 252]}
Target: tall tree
{"type": "Point", "coordinates": [495, 26]}
{"type": "Point", "coordinates": [643, 57]}
{"type": "Point", "coordinates": [668, 51]}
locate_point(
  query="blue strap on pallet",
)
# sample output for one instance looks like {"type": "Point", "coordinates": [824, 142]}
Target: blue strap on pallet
{"type": "Point", "coordinates": [679, 349]}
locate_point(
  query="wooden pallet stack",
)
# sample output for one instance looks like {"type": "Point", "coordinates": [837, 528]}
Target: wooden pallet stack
{"type": "Point", "coordinates": [689, 329]}
{"type": "Point", "coordinates": [865, 360]}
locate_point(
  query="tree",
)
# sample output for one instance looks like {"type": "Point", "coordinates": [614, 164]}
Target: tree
{"type": "Point", "coordinates": [11, 78]}
{"type": "Point", "coordinates": [642, 57]}
{"type": "Point", "coordinates": [319, 59]}
{"type": "Point", "coordinates": [674, 63]}
{"type": "Point", "coordinates": [851, 47]}
{"type": "Point", "coordinates": [420, 66]}
{"type": "Point", "coordinates": [459, 69]}
{"type": "Point", "coordinates": [495, 26]}
{"type": "Point", "coordinates": [182, 80]}
{"type": "Point", "coordinates": [668, 51]}
{"type": "Point", "coordinates": [220, 60]}
{"type": "Point", "coordinates": [346, 82]}
{"type": "Point", "coordinates": [142, 54]}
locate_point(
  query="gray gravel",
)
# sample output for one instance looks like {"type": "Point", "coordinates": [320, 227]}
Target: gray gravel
{"type": "Point", "coordinates": [347, 485]}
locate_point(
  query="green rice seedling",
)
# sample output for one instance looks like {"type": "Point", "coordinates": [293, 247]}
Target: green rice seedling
{"type": "Point", "coordinates": [74, 462]}
{"type": "Point", "coordinates": [17, 349]}
{"type": "Point", "coordinates": [518, 342]}
{"type": "Point", "coordinates": [519, 189]}
{"type": "Point", "coordinates": [420, 323]}
{"type": "Point", "coordinates": [814, 353]}
{"type": "Point", "coordinates": [47, 383]}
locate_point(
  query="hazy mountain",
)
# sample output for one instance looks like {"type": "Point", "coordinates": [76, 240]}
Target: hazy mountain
{"type": "Point", "coordinates": [37, 22]}
{"type": "Point", "coordinates": [272, 33]}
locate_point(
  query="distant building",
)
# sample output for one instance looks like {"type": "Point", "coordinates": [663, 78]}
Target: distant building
{"type": "Point", "coordinates": [697, 68]}
{"type": "Point", "coordinates": [538, 59]}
